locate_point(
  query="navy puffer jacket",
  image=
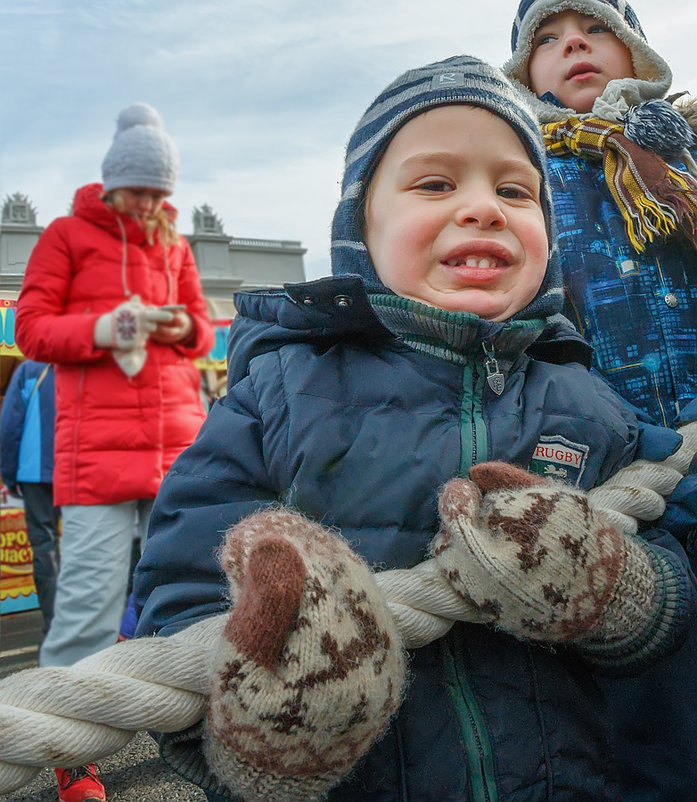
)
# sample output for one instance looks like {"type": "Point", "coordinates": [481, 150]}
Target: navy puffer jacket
{"type": "Point", "coordinates": [331, 413]}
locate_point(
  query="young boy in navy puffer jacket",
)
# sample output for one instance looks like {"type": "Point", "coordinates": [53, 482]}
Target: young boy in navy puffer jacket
{"type": "Point", "coordinates": [360, 403]}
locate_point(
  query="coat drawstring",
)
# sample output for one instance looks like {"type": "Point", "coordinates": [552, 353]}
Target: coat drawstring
{"type": "Point", "coordinates": [124, 261]}
{"type": "Point", "coordinates": [170, 300]}
{"type": "Point", "coordinates": [124, 254]}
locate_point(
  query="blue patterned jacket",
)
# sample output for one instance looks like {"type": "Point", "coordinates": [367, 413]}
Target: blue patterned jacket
{"type": "Point", "coordinates": [638, 311]}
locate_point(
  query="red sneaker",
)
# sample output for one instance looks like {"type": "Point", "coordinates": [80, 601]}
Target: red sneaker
{"type": "Point", "coordinates": [81, 784]}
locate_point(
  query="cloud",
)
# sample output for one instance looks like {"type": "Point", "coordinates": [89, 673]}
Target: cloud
{"type": "Point", "coordinates": [260, 97]}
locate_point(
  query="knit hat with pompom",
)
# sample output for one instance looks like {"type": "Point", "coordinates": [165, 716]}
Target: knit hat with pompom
{"type": "Point", "coordinates": [142, 154]}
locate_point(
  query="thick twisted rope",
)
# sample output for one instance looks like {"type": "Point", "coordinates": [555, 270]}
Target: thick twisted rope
{"type": "Point", "coordinates": [75, 715]}
{"type": "Point", "coordinates": [72, 716]}
{"type": "Point", "coordinates": [639, 490]}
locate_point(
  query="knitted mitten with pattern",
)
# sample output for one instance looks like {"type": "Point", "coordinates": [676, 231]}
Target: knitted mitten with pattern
{"type": "Point", "coordinates": [310, 668]}
{"type": "Point", "coordinates": [534, 558]}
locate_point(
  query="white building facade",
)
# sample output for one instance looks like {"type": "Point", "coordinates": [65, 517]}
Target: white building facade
{"type": "Point", "coordinates": [225, 263]}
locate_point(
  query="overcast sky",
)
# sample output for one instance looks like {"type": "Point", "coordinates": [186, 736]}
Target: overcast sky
{"type": "Point", "coordinates": [260, 96]}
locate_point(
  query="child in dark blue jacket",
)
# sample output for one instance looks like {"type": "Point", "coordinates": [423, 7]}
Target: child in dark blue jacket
{"type": "Point", "coordinates": [624, 188]}
{"type": "Point", "coordinates": [27, 427]}
{"type": "Point", "coordinates": [414, 404]}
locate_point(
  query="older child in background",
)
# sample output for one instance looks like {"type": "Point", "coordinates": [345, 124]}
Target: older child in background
{"type": "Point", "coordinates": [625, 199]}
{"type": "Point", "coordinates": [353, 400]}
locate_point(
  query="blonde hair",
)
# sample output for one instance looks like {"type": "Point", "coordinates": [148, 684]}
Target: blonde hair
{"type": "Point", "coordinates": [161, 221]}
{"type": "Point", "coordinates": [686, 104]}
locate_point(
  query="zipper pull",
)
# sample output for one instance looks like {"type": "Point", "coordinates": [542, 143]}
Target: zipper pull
{"type": "Point", "coordinates": [494, 378]}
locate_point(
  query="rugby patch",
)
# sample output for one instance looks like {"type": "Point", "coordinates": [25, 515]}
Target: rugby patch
{"type": "Point", "coordinates": [558, 458]}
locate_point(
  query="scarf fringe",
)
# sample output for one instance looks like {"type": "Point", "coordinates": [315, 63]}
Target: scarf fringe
{"type": "Point", "coordinates": [655, 199]}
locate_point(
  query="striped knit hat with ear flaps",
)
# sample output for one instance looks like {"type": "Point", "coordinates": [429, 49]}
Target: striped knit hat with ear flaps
{"type": "Point", "coordinates": [652, 74]}
{"type": "Point", "coordinates": [461, 80]}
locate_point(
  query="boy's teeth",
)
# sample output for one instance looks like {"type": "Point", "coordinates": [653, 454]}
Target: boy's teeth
{"type": "Point", "coordinates": [473, 261]}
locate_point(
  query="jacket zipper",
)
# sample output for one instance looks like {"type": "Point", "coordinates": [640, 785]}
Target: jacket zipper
{"type": "Point", "coordinates": [478, 748]}
{"type": "Point", "coordinates": [473, 436]}
{"type": "Point", "coordinates": [73, 472]}
{"type": "Point", "coordinates": [473, 447]}
{"type": "Point", "coordinates": [78, 421]}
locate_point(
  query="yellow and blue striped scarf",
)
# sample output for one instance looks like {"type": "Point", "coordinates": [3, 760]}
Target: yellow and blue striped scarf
{"type": "Point", "coordinates": [654, 198]}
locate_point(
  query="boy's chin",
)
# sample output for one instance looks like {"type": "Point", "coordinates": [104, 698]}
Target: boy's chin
{"type": "Point", "coordinates": [582, 100]}
{"type": "Point", "coordinates": [473, 302]}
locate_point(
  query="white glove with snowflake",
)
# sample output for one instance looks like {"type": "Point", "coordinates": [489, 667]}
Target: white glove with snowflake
{"type": "Point", "coordinates": [125, 331]}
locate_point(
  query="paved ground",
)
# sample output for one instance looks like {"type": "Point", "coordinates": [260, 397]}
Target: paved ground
{"type": "Point", "coordinates": [135, 774]}
{"type": "Point", "coordinates": [20, 636]}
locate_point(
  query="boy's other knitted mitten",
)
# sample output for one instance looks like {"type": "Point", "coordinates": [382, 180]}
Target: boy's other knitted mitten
{"type": "Point", "coordinates": [538, 561]}
{"type": "Point", "coordinates": [311, 666]}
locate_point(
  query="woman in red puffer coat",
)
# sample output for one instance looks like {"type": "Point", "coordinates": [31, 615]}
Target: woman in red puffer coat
{"type": "Point", "coordinates": [116, 435]}
{"type": "Point", "coordinates": [112, 298]}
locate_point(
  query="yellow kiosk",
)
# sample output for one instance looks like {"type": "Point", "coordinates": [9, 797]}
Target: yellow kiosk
{"type": "Point", "coordinates": [17, 590]}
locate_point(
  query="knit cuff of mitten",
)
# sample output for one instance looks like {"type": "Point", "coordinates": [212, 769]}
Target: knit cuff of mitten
{"type": "Point", "coordinates": [183, 752]}
{"type": "Point", "coordinates": [647, 616]}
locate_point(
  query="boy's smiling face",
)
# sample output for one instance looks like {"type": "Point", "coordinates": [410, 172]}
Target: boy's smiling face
{"type": "Point", "coordinates": [574, 57]}
{"type": "Point", "coordinates": [453, 214]}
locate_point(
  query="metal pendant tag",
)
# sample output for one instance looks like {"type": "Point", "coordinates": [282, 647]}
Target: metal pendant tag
{"type": "Point", "coordinates": [494, 378]}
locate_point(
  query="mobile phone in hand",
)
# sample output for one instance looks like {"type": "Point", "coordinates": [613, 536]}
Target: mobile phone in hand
{"type": "Point", "coordinates": [173, 307]}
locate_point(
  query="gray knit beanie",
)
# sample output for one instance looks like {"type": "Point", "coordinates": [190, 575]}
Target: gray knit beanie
{"type": "Point", "coordinates": [142, 154]}
{"type": "Point", "coordinates": [652, 74]}
{"type": "Point", "coordinates": [460, 79]}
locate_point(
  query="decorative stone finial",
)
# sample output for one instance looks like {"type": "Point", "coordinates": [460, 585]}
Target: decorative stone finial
{"type": "Point", "coordinates": [206, 221]}
{"type": "Point", "coordinates": [18, 211]}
